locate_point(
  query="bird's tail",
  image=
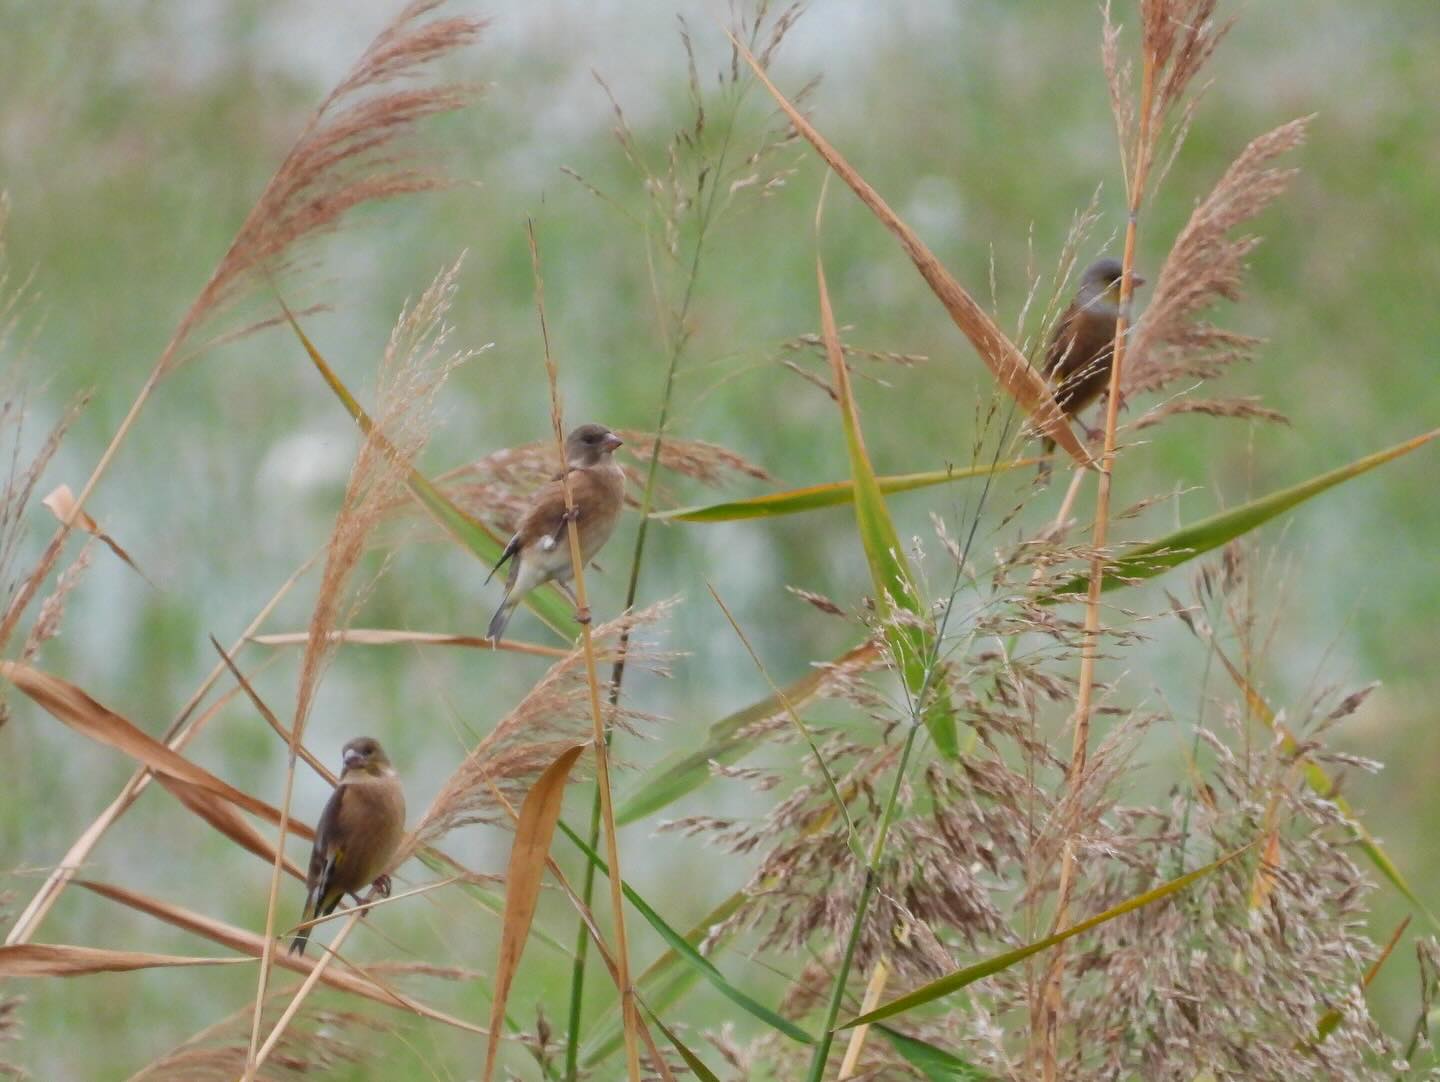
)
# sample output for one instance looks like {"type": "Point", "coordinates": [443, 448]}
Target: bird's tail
{"type": "Point", "coordinates": [302, 937]}
{"type": "Point", "coordinates": [502, 616]}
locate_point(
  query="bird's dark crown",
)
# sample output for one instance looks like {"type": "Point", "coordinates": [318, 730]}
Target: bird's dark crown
{"type": "Point", "coordinates": [365, 753]}
{"type": "Point", "coordinates": [1103, 272]}
{"type": "Point", "coordinates": [589, 444]}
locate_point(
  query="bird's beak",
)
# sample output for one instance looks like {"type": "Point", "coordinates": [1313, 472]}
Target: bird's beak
{"type": "Point", "coordinates": [353, 758]}
{"type": "Point", "coordinates": [613, 441]}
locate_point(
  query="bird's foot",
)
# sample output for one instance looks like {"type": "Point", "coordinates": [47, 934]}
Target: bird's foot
{"type": "Point", "coordinates": [582, 616]}
{"type": "Point", "coordinates": [382, 886]}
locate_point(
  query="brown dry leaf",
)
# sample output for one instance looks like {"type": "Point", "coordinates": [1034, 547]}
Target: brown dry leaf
{"type": "Point", "coordinates": [222, 815]}
{"type": "Point", "coordinates": [63, 960]}
{"type": "Point", "coordinates": [538, 816]}
{"type": "Point", "coordinates": [1005, 361]}
{"type": "Point", "coordinates": [249, 943]}
{"type": "Point", "coordinates": [82, 713]}
{"type": "Point", "coordinates": [61, 503]}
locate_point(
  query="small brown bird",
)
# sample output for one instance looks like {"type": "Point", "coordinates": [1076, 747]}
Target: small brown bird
{"type": "Point", "coordinates": [539, 548]}
{"type": "Point", "coordinates": [356, 837]}
{"type": "Point", "coordinates": [1077, 364]}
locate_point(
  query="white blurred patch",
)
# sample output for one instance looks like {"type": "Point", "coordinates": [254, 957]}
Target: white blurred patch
{"type": "Point", "coordinates": [306, 460]}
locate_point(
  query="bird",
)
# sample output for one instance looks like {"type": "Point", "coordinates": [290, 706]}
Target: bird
{"type": "Point", "coordinates": [1077, 362]}
{"type": "Point", "coordinates": [538, 552]}
{"type": "Point", "coordinates": [357, 835]}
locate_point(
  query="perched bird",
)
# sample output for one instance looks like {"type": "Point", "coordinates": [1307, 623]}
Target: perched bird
{"type": "Point", "coordinates": [539, 550]}
{"type": "Point", "coordinates": [356, 837]}
{"type": "Point", "coordinates": [1077, 364]}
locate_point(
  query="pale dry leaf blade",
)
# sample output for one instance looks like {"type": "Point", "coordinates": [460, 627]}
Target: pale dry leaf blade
{"type": "Point", "coordinates": [65, 960]}
{"type": "Point", "coordinates": [61, 503]}
{"type": "Point", "coordinates": [78, 710]}
{"type": "Point", "coordinates": [221, 815]}
{"type": "Point", "coordinates": [538, 815]}
{"type": "Point", "coordinates": [1013, 372]}
{"type": "Point", "coordinates": [249, 943]}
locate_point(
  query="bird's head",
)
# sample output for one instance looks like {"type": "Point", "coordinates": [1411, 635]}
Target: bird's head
{"type": "Point", "coordinates": [364, 755]}
{"type": "Point", "coordinates": [1100, 284]}
{"type": "Point", "coordinates": [590, 445]}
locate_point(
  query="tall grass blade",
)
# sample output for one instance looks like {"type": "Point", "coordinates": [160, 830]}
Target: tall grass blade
{"type": "Point", "coordinates": [547, 602]}
{"type": "Point", "coordinates": [894, 582]}
{"type": "Point", "coordinates": [953, 982]}
{"type": "Point", "coordinates": [677, 977]}
{"type": "Point", "coordinates": [1156, 557]}
{"type": "Point", "coordinates": [936, 1064]}
{"type": "Point", "coordinates": [694, 1062]}
{"type": "Point", "coordinates": [680, 774]}
{"type": "Point", "coordinates": [538, 816]}
{"type": "Point", "coordinates": [693, 958]}
{"type": "Point", "coordinates": [833, 494]}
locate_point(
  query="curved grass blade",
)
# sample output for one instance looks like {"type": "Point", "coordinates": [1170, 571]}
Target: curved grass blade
{"type": "Point", "coordinates": [678, 775]}
{"type": "Point", "coordinates": [894, 582]}
{"type": "Point", "coordinates": [546, 602]}
{"type": "Point", "coordinates": [691, 956]}
{"type": "Point", "coordinates": [953, 982]}
{"type": "Point", "coordinates": [1151, 559]}
{"type": "Point", "coordinates": [833, 494]}
{"type": "Point", "coordinates": [935, 1064]}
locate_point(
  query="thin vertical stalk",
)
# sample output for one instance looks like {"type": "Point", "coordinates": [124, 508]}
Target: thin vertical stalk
{"type": "Point", "coordinates": [678, 338]}
{"type": "Point", "coordinates": [873, 991]}
{"type": "Point", "coordinates": [599, 736]}
{"type": "Point", "coordinates": [877, 849]}
{"type": "Point", "coordinates": [1084, 698]}
{"type": "Point", "coordinates": [259, 1057]}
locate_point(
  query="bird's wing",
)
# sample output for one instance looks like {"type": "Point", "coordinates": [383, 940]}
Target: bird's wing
{"type": "Point", "coordinates": [1062, 343]}
{"type": "Point", "coordinates": [328, 854]}
{"type": "Point", "coordinates": [544, 518]}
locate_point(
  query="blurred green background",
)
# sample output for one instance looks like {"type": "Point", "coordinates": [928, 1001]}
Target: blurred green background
{"type": "Point", "coordinates": [135, 136]}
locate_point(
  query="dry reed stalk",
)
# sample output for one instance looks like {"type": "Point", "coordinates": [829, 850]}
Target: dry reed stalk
{"type": "Point", "coordinates": [1177, 38]}
{"type": "Point", "coordinates": [351, 152]}
{"type": "Point", "coordinates": [411, 375]}
{"type": "Point", "coordinates": [257, 1057]}
{"type": "Point", "coordinates": [599, 734]}
{"type": "Point", "coordinates": [874, 989]}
